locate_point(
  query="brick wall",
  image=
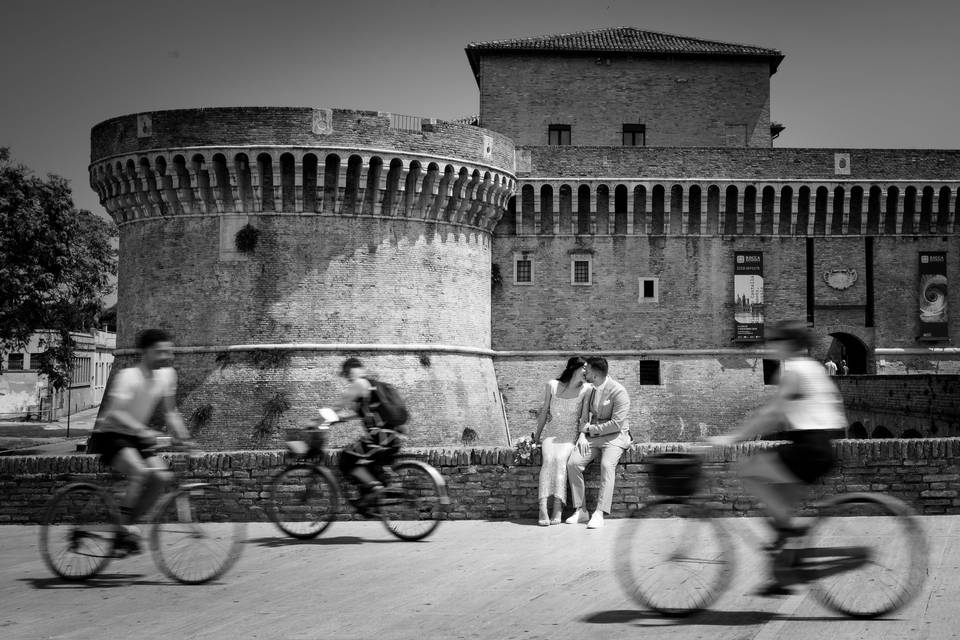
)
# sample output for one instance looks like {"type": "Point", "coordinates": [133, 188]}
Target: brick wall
{"type": "Point", "coordinates": [740, 164]}
{"type": "Point", "coordinates": [486, 484]}
{"type": "Point", "coordinates": [903, 405]}
{"type": "Point", "coordinates": [681, 102]}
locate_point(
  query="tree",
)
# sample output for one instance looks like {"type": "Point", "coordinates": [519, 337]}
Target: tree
{"type": "Point", "coordinates": [55, 266]}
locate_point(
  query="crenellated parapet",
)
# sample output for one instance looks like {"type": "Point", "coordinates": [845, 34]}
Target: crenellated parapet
{"type": "Point", "coordinates": [306, 161]}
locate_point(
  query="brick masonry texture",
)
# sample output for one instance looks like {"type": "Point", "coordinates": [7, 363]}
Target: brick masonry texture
{"type": "Point", "coordinates": [486, 484]}
{"type": "Point", "coordinates": [928, 405]}
{"type": "Point", "coordinates": [681, 102]}
{"type": "Point", "coordinates": [749, 164]}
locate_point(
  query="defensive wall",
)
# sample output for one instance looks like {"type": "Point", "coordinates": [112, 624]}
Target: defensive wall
{"type": "Point", "coordinates": [488, 484]}
{"type": "Point", "coordinates": [273, 242]}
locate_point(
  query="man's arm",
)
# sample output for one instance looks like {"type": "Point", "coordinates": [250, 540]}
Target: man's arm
{"type": "Point", "coordinates": [174, 420]}
{"type": "Point", "coordinates": [621, 407]}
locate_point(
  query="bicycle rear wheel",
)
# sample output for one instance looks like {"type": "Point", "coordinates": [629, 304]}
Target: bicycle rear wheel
{"type": "Point", "coordinates": [670, 556]}
{"type": "Point", "coordinates": [414, 501]}
{"type": "Point", "coordinates": [869, 553]}
{"type": "Point", "coordinates": [78, 529]}
{"type": "Point", "coordinates": [303, 500]}
{"type": "Point", "coordinates": [191, 550]}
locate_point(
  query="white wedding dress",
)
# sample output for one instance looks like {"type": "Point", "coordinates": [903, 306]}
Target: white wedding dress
{"type": "Point", "coordinates": [557, 441]}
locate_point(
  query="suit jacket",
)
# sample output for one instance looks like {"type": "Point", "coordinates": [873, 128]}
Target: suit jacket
{"type": "Point", "coordinates": [607, 414]}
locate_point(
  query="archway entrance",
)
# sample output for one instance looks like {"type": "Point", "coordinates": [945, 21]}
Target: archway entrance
{"type": "Point", "coordinates": [850, 348]}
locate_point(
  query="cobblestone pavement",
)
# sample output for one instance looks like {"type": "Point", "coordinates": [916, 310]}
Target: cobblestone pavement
{"type": "Point", "coordinates": [472, 579]}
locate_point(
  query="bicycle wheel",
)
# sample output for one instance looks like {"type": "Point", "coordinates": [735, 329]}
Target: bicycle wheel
{"type": "Point", "coordinates": [77, 531]}
{"type": "Point", "coordinates": [186, 544]}
{"type": "Point", "coordinates": [670, 556]}
{"type": "Point", "coordinates": [868, 554]}
{"type": "Point", "coordinates": [414, 501]}
{"type": "Point", "coordinates": [303, 500]}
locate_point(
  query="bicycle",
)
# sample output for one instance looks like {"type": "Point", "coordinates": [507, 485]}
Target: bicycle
{"type": "Point", "coordinates": [81, 521]}
{"type": "Point", "coordinates": [865, 554]}
{"type": "Point", "coordinates": [304, 496]}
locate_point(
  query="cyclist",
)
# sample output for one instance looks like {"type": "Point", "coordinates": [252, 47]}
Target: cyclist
{"type": "Point", "coordinates": [123, 439]}
{"type": "Point", "coordinates": [808, 409]}
{"type": "Point", "coordinates": [362, 461]}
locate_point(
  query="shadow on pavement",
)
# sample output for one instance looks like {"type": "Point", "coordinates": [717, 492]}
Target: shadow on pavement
{"type": "Point", "coordinates": [284, 541]}
{"type": "Point", "coordinates": [98, 582]}
{"type": "Point", "coordinates": [707, 618]}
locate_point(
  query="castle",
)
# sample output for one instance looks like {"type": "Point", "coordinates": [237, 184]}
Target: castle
{"type": "Point", "coordinates": [618, 194]}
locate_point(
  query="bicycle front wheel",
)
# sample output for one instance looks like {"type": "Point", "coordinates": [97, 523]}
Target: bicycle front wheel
{"type": "Point", "coordinates": [867, 554]}
{"type": "Point", "coordinates": [188, 549]}
{"type": "Point", "coordinates": [78, 529]}
{"type": "Point", "coordinates": [414, 501]}
{"type": "Point", "coordinates": [673, 558]}
{"type": "Point", "coordinates": [303, 500]}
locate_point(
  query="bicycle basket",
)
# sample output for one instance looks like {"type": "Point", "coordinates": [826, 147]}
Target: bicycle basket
{"type": "Point", "coordinates": [306, 442]}
{"type": "Point", "coordinates": [675, 474]}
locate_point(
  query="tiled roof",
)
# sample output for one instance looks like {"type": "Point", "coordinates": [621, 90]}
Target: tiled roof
{"type": "Point", "coordinates": [624, 40]}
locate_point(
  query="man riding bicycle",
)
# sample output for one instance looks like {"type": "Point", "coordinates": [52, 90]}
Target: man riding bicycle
{"type": "Point", "coordinates": [123, 439]}
{"type": "Point", "coordinates": [808, 410]}
{"type": "Point", "coordinates": [362, 462]}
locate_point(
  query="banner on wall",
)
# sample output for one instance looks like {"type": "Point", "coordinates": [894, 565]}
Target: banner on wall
{"type": "Point", "coordinates": [933, 295]}
{"type": "Point", "coordinates": [748, 295]}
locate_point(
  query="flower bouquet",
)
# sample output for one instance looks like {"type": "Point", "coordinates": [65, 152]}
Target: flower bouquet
{"type": "Point", "coordinates": [523, 450]}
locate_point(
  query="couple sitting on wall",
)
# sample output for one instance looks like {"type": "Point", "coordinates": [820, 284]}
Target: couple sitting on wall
{"type": "Point", "coordinates": [584, 415]}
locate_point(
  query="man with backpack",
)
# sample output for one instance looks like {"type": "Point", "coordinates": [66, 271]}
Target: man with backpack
{"type": "Point", "coordinates": [383, 413]}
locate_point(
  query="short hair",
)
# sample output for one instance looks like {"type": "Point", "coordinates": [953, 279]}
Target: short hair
{"type": "Point", "coordinates": [348, 365]}
{"type": "Point", "coordinates": [793, 331]}
{"type": "Point", "coordinates": [149, 337]}
{"type": "Point", "coordinates": [599, 363]}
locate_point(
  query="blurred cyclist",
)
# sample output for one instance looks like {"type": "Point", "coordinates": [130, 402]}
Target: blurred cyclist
{"type": "Point", "coordinates": [808, 410]}
{"type": "Point", "coordinates": [123, 439]}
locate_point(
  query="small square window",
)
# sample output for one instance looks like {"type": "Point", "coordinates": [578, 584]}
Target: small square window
{"type": "Point", "coordinates": [634, 135]}
{"type": "Point", "coordinates": [771, 371]}
{"type": "Point", "coordinates": [581, 271]}
{"type": "Point", "coordinates": [36, 359]}
{"type": "Point", "coordinates": [522, 270]}
{"type": "Point", "coordinates": [649, 371]}
{"type": "Point", "coordinates": [649, 290]}
{"type": "Point", "coordinates": [558, 134]}
{"type": "Point", "coordinates": [15, 361]}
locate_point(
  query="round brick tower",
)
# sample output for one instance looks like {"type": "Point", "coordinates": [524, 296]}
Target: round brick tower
{"type": "Point", "coordinates": [274, 242]}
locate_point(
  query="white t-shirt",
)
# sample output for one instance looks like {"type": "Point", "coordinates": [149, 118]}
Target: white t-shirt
{"type": "Point", "coordinates": [810, 398]}
{"type": "Point", "coordinates": [133, 392]}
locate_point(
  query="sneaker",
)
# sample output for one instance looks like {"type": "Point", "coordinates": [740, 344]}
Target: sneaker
{"type": "Point", "coordinates": [596, 520]}
{"type": "Point", "coordinates": [580, 515]}
{"type": "Point", "coordinates": [126, 543]}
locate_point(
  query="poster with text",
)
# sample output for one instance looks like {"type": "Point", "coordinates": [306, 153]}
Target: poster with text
{"type": "Point", "coordinates": [933, 295]}
{"type": "Point", "coordinates": [748, 295]}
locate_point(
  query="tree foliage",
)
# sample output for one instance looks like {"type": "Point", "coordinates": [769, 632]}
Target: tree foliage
{"type": "Point", "coordinates": [55, 266]}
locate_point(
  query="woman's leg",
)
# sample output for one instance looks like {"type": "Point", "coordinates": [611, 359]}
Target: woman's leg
{"type": "Point", "coordinates": [548, 463]}
{"type": "Point", "coordinates": [563, 451]}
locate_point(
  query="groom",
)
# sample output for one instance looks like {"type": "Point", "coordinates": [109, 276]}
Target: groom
{"type": "Point", "coordinates": [604, 432]}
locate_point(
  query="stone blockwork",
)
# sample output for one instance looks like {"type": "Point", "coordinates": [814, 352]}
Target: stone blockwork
{"type": "Point", "coordinates": [485, 483]}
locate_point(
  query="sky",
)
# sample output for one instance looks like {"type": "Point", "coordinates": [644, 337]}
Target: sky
{"type": "Point", "coordinates": [857, 73]}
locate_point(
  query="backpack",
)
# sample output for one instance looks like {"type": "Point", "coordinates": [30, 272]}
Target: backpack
{"type": "Point", "coordinates": [388, 404]}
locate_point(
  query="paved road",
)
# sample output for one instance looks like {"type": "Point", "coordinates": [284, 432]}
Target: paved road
{"type": "Point", "coordinates": [474, 579]}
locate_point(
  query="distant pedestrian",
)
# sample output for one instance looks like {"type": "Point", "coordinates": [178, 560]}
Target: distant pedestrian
{"type": "Point", "coordinates": [830, 366]}
{"type": "Point", "coordinates": [842, 370]}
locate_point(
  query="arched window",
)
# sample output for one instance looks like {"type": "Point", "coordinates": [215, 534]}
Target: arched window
{"type": "Point", "coordinates": [785, 228]}
{"type": "Point", "coordinates": [874, 212]}
{"type": "Point", "coordinates": [620, 209]}
{"type": "Point", "coordinates": [820, 212]}
{"type": "Point", "coordinates": [676, 209]}
{"type": "Point", "coordinates": [603, 209]}
{"type": "Point", "coordinates": [943, 210]}
{"type": "Point", "coordinates": [527, 210]}
{"type": "Point", "coordinates": [241, 167]}
{"type": "Point", "coordinates": [331, 183]}
{"type": "Point", "coordinates": [890, 219]}
{"type": "Point", "coordinates": [695, 198]}
{"type": "Point", "coordinates": [836, 222]}
{"type": "Point", "coordinates": [566, 209]}
{"type": "Point", "coordinates": [731, 212]}
{"type": "Point", "coordinates": [640, 210]}
{"type": "Point", "coordinates": [767, 197]}
{"type": "Point", "coordinates": [803, 211]}
{"type": "Point", "coordinates": [713, 210]}
{"type": "Point", "coordinates": [265, 170]}
{"type": "Point", "coordinates": [371, 192]}
{"type": "Point", "coordinates": [310, 164]}
{"type": "Point", "coordinates": [909, 210]}
{"type": "Point", "coordinates": [546, 209]}
{"type": "Point", "coordinates": [288, 195]}
{"type": "Point", "coordinates": [854, 225]}
{"type": "Point", "coordinates": [583, 209]}
{"type": "Point", "coordinates": [659, 205]}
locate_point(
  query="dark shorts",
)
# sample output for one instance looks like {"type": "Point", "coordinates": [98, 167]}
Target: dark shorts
{"type": "Point", "coordinates": [108, 443]}
{"type": "Point", "coordinates": [809, 456]}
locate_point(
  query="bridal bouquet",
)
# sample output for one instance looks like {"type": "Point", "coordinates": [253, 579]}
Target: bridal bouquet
{"type": "Point", "coordinates": [523, 450]}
